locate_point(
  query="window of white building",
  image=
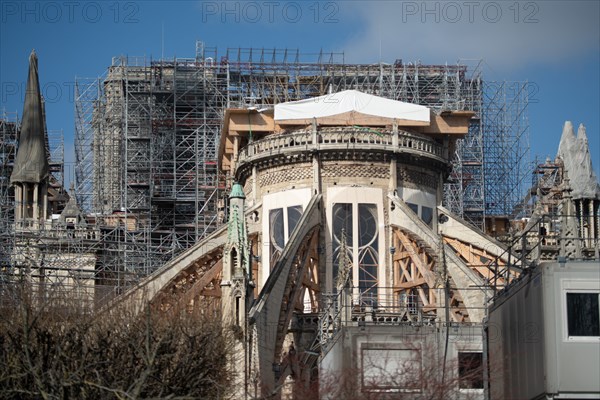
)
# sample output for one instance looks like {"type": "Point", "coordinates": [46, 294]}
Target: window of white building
{"type": "Point", "coordinates": [583, 314]}
{"type": "Point", "coordinates": [581, 310]}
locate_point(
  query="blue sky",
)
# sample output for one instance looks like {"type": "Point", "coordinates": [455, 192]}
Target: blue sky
{"type": "Point", "coordinates": [553, 45]}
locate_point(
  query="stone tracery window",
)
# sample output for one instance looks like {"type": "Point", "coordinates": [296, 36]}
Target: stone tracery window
{"type": "Point", "coordinates": [294, 214]}
{"type": "Point", "coordinates": [358, 224]}
{"type": "Point", "coordinates": [342, 231]}
{"type": "Point", "coordinates": [368, 257]}
{"type": "Point", "coordinates": [278, 234]}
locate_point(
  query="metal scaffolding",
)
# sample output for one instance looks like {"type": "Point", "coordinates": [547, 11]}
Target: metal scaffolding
{"type": "Point", "coordinates": [87, 97]}
{"type": "Point", "coordinates": [153, 128]}
{"type": "Point", "coordinates": [9, 131]}
{"type": "Point", "coordinates": [505, 124]}
{"type": "Point", "coordinates": [147, 134]}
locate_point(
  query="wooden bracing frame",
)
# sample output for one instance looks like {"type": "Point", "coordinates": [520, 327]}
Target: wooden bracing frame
{"type": "Point", "coordinates": [305, 265]}
{"type": "Point", "coordinates": [414, 271]}
{"type": "Point", "coordinates": [417, 282]}
{"type": "Point", "coordinates": [458, 310]}
{"type": "Point", "coordinates": [310, 281]}
{"type": "Point", "coordinates": [301, 278]}
{"type": "Point", "coordinates": [489, 267]}
{"type": "Point", "coordinates": [199, 282]}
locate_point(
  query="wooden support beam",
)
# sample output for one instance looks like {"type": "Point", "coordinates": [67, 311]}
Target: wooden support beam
{"type": "Point", "coordinates": [416, 260]}
{"type": "Point", "coordinates": [200, 285]}
{"type": "Point", "coordinates": [474, 256]}
{"type": "Point", "coordinates": [411, 284]}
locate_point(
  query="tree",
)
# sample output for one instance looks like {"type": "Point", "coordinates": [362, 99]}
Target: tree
{"type": "Point", "coordinates": [53, 352]}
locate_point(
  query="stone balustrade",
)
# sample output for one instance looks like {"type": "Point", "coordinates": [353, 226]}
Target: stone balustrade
{"type": "Point", "coordinates": [344, 139]}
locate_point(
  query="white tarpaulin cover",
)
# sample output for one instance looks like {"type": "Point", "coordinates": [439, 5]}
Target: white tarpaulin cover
{"type": "Point", "coordinates": [575, 153]}
{"type": "Point", "coordinates": [350, 101]}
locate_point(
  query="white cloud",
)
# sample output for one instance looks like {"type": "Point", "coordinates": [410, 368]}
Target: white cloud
{"type": "Point", "coordinates": [504, 34]}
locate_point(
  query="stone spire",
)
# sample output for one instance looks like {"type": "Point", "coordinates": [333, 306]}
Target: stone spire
{"type": "Point", "coordinates": [237, 235]}
{"type": "Point", "coordinates": [236, 291]}
{"type": "Point", "coordinates": [72, 213]}
{"type": "Point", "coordinates": [236, 296]}
{"type": "Point", "coordinates": [31, 163]}
{"type": "Point", "coordinates": [570, 247]}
